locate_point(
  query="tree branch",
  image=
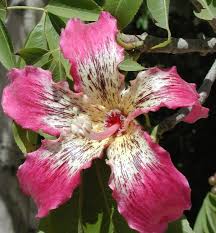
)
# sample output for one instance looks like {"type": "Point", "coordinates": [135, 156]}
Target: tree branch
{"type": "Point", "coordinates": [203, 91]}
{"type": "Point", "coordinates": [145, 42]}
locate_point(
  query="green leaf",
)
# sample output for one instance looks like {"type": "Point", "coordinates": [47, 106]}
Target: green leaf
{"type": "Point", "coordinates": [86, 10]}
{"type": "Point", "coordinates": [37, 37]}
{"type": "Point", "coordinates": [159, 10]}
{"type": "Point", "coordinates": [57, 64]}
{"type": "Point", "coordinates": [91, 208]}
{"type": "Point", "coordinates": [31, 55]}
{"type": "Point", "coordinates": [123, 10]}
{"type": "Point", "coordinates": [26, 140]}
{"type": "Point", "coordinates": [206, 220]}
{"type": "Point", "coordinates": [7, 57]}
{"type": "Point", "coordinates": [57, 22]}
{"type": "Point", "coordinates": [3, 7]}
{"type": "Point", "coordinates": [130, 65]}
{"type": "Point", "coordinates": [180, 226]}
{"type": "Point", "coordinates": [208, 12]}
{"type": "Point", "coordinates": [65, 219]}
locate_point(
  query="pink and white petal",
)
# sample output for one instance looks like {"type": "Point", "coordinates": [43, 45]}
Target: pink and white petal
{"type": "Point", "coordinates": [50, 174]}
{"type": "Point", "coordinates": [197, 112]}
{"type": "Point", "coordinates": [35, 102]}
{"type": "Point", "coordinates": [94, 55]}
{"type": "Point", "coordinates": [156, 88]}
{"type": "Point", "coordinates": [150, 192]}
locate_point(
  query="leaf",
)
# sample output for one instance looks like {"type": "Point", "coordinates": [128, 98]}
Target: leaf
{"type": "Point", "coordinates": [86, 10]}
{"type": "Point", "coordinates": [208, 12]}
{"type": "Point", "coordinates": [7, 57]}
{"type": "Point", "coordinates": [31, 55]}
{"type": "Point", "coordinates": [130, 65]}
{"type": "Point", "coordinates": [65, 219]}
{"type": "Point", "coordinates": [91, 208]}
{"type": "Point", "coordinates": [159, 10]}
{"type": "Point", "coordinates": [206, 220]}
{"type": "Point", "coordinates": [123, 10]}
{"type": "Point", "coordinates": [37, 37]}
{"type": "Point", "coordinates": [3, 7]}
{"type": "Point", "coordinates": [26, 140]}
{"type": "Point", "coordinates": [57, 22]}
{"type": "Point", "coordinates": [57, 64]}
{"type": "Point", "coordinates": [180, 226]}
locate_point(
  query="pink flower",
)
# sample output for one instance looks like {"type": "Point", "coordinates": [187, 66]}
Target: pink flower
{"type": "Point", "coordinates": [149, 190]}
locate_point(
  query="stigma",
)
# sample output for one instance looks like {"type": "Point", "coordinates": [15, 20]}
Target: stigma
{"type": "Point", "coordinates": [114, 117]}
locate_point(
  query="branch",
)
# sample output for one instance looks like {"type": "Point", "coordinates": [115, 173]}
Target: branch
{"type": "Point", "coordinates": [198, 7]}
{"type": "Point", "coordinates": [145, 42]}
{"type": "Point", "coordinates": [203, 91]}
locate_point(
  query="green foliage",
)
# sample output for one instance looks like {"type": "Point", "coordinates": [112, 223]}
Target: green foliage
{"type": "Point", "coordinates": [130, 65]}
{"type": "Point", "coordinates": [26, 140]}
{"type": "Point", "coordinates": [180, 226]}
{"type": "Point", "coordinates": [159, 10]}
{"type": "Point", "coordinates": [37, 37]}
{"type": "Point", "coordinates": [31, 55]}
{"type": "Point", "coordinates": [206, 220]}
{"type": "Point", "coordinates": [123, 10]}
{"type": "Point", "coordinates": [87, 10]}
{"type": "Point", "coordinates": [7, 57]}
{"type": "Point", "coordinates": [3, 6]}
{"type": "Point", "coordinates": [91, 209]}
{"type": "Point", "coordinates": [209, 10]}
{"type": "Point", "coordinates": [42, 47]}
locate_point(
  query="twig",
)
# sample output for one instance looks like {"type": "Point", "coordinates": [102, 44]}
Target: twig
{"type": "Point", "coordinates": [203, 91]}
{"type": "Point", "coordinates": [145, 42]}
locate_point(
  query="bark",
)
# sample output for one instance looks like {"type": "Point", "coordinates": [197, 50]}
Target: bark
{"type": "Point", "coordinates": [16, 210]}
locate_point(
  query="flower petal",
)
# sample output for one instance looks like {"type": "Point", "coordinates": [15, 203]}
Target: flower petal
{"type": "Point", "coordinates": [94, 55]}
{"type": "Point", "coordinates": [157, 88]}
{"type": "Point", "coordinates": [149, 190]}
{"type": "Point", "coordinates": [35, 102]}
{"type": "Point", "coordinates": [197, 112]}
{"type": "Point", "coordinates": [50, 174]}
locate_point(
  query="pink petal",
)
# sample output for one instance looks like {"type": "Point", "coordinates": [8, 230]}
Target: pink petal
{"type": "Point", "coordinates": [94, 55]}
{"type": "Point", "coordinates": [197, 112]}
{"type": "Point", "coordinates": [50, 174]}
{"type": "Point", "coordinates": [35, 102]}
{"type": "Point", "coordinates": [156, 88]}
{"type": "Point", "coordinates": [149, 190]}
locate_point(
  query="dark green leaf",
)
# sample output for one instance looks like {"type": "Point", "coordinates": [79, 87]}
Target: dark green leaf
{"type": "Point", "coordinates": [130, 65]}
{"type": "Point", "coordinates": [123, 10]}
{"type": "Point", "coordinates": [57, 22]}
{"type": "Point", "coordinates": [3, 7]}
{"type": "Point", "coordinates": [86, 10]}
{"type": "Point", "coordinates": [180, 226]}
{"type": "Point", "coordinates": [91, 209]}
{"type": "Point", "coordinates": [31, 55]}
{"type": "Point", "coordinates": [159, 10]}
{"type": "Point", "coordinates": [65, 219]}
{"type": "Point", "coordinates": [206, 220]}
{"type": "Point", "coordinates": [7, 57]}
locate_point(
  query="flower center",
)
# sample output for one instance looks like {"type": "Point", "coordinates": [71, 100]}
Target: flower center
{"type": "Point", "coordinates": [114, 117]}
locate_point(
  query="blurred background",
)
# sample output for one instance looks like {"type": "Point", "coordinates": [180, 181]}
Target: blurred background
{"type": "Point", "coordinates": [191, 146]}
